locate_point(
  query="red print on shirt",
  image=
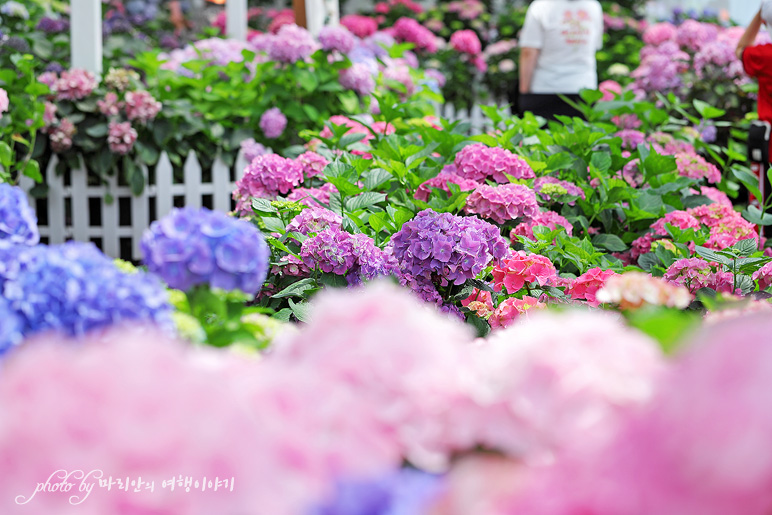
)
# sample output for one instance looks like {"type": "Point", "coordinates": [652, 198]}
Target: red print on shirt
{"type": "Point", "coordinates": [576, 30]}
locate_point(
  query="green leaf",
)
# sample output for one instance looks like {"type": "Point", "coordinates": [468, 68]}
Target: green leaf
{"type": "Point", "coordinates": [609, 242]}
{"type": "Point", "coordinates": [707, 111]}
{"type": "Point", "coordinates": [364, 200]}
{"type": "Point", "coordinates": [377, 221]}
{"type": "Point", "coordinates": [261, 205]}
{"type": "Point", "coordinates": [746, 247]}
{"type": "Point", "coordinates": [601, 161]}
{"type": "Point", "coordinates": [98, 131]}
{"type": "Point", "coordinates": [711, 255]}
{"type": "Point", "coordinates": [32, 170]}
{"type": "Point", "coordinates": [6, 154]}
{"type": "Point", "coordinates": [481, 327]}
{"type": "Point", "coordinates": [668, 326]}
{"type": "Point", "coordinates": [297, 289]}
{"type": "Point", "coordinates": [754, 215]}
{"type": "Point", "coordinates": [301, 310]}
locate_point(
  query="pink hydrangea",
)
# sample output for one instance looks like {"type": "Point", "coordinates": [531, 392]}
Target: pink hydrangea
{"type": "Point", "coordinates": [49, 79]}
{"type": "Point", "coordinates": [502, 203]}
{"type": "Point", "coordinates": [693, 273]}
{"type": "Point", "coordinates": [61, 135]}
{"type": "Point", "coordinates": [400, 73]}
{"type": "Point", "coordinates": [519, 268]}
{"type": "Point", "coordinates": [681, 219]}
{"type": "Point", "coordinates": [466, 42]}
{"type": "Point", "coordinates": [764, 276]}
{"type": "Point", "coordinates": [355, 127]}
{"type": "Point", "coordinates": [280, 19]}
{"type": "Point", "coordinates": [441, 181]}
{"type": "Point", "coordinates": [693, 35]}
{"type": "Point", "coordinates": [273, 122]}
{"type": "Point", "coordinates": [540, 185]}
{"type": "Point", "coordinates": [627, 121]}
{"type": "Point", "coordinates": [666, 144]}
{"type": "Point", "coordinates": [291, 44]}
{"type": "Point", "coordinates": [696, 167]}
{"type": "Point", "coordinates": [337, 39]}
{"type": "Point", "coordinates": [49, 114]}
{"type": "Point", "coordinates": [549, 219]}
{"type": "Point", "coordinates": [511, 309]}
{"type": "Point", "coordinates": [250, 149]}
{"type": "Point", "coordinates": [360, 26]}
{"type": "Point", "coordinates": [467, 9]}
{"type": "Point", "coordinates": [714, 194]}
{"type": "Point", "coordinates": [314, 220]}
{"type": "Point", "coordinates": [309, 196]}
{"type": "Point", "coordinates": [358, 77]}
{"type": "Point", "coordinates": [110, 105]}
{"type": "Point", "coordinates": [631, 138]}
{"type": "Point", "coordinates": [141, 106]}
{"type": "Point", "coordinates": [266, 176]}
{"type": "Point", "coordinates": [586, 286]}
{"type": "Point", "coordinates": [659, 33]}
{"type": "Point", "coordinates": [313, 164]}
{"type": "Point", "coordinates": [411, 31]}
{"type": "Point", "coordinates": [3, 102]}
{"type": "Point", "coordinates": [728, 231]}
{"type": "Point", "coordinates": [479, 162]}
{"type": "Point", "coordinates": [633, 290]}
{"type": "Point", "coordinates": [121, 137]}
{"type": "Point", "coordinates": [74, 84]}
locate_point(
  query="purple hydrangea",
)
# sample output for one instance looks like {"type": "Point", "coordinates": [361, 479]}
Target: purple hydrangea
{"type": "Point", "coordinates": [266, 176]}
{"type": "Point", "coordinates": [198, 246]}
{"type": "Point", "coordinates": [251, 149]}
{"type": "Point", "coordinates": [479, 162]}
{"type": "Point", "coordinates": [502, 203]}
{"type": "Point", "coordinates": [314, 220]}
{"type": "Point", "coordinates": [309, 196]}
{"type": "Point", "coordinates": [53, 25]}
{"type": "Point", "coordinates": [694, 35]}
{"type": "Point", "coordinates": [359, 78]}
{"type": "Point", "coordinates": [337, 39]}
{"type": "Point", "coordinates": [273, 122]}
{"type": "Point", "coordinates": [10, 327]}
{"type": "Point", "coordinates": [631, 138]}
{"type": "Point", "coordinates": [18, 223]}
{"type": "Point", "coordinates": [446, 248]}
{"type": "Point", "coordinates": [73, 288]}
{"type": "Point", "coordinates": [291, 44]}
{"type": "Point", "coordinates": [341, 253]}
{"type": "Point", "coordinates": [405, 492]}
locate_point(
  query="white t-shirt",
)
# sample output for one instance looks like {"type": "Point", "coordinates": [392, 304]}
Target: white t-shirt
{"type": "Point", "coordinates": [568, 33]}
{"type": "Point", "coordinates": [766, 15]}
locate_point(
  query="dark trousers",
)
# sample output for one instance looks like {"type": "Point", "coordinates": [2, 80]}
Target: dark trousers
{"type": "Point", "coordinates": [547, 105]}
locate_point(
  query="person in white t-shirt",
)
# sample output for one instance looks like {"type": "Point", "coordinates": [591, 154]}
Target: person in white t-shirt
{"type": "Point", "coordinates": [557, 53]}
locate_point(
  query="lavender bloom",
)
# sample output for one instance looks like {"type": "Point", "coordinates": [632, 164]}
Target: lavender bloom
{"type": "Point", "coordinates": [10, 327]}
{"type": "Point", "coordinates": [73, 288]}
{"type": "Point", "coordinates": [266, 176]}
{"type": "Point", "coordinates": [291, 44]}
{"type": "Point", "coordinates": [273, 122]}
{"type": "Point", "coordinates": [52, 25]}
{"type": "Point", "coordinates": [199, 246]}
{"type": "Point", "coordinates": [479, 162]}
{"type": "Point", "coordinates": [18, 223]}
{"type": "Point", "coordinates": [314, 220]}
{"type": "Point", "coordinates": [337, 39]}
{"type": "Point", "coordinates": [358, 78]}
{"type": "Point", "coordinates": [15, 9]}
{"type": "Point", "coordinates": [251, 149]}
{"type": "Point", "coordinates": [707, 131]}
{"type": "Point", "coordinates": [405, 492]}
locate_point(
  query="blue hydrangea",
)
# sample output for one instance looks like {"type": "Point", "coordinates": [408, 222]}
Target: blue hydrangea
{"type": "Point", "coordinates": [406, 492]}
{"type": "Point", "coordinates": [73, 288]}
{"type": "Point", "coordinates": [18, 223]}
{"type": "Point", "coordinates": [198, 246]}
{"type": "Point", "coordinates": [10, 327]}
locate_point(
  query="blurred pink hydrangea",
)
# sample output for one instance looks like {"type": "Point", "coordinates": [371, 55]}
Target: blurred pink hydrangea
{"type": "Point", "coordinates": [631, 138]}
{"type": "Point", "coordinates": [337, 38]}
{"type": "Point", "coordinates": [250, 149]}
{"type": "Point", "coordinates": [141, 106]}
{"type": "Point", "coordinates": [411, 31]}
{"type": "Point", "coordinates": [519, 268]}
{"type": "Point", "coordinates": [273, 122]}
{"type": "Point", "coordinates": [61, 135]}
{"type": "Point", "coordinates": [633, 290]}
{"type": "Point", "coordinates": [74, 84]}
{"type": "Point", "coordinates": [358, 77]}
{"type": "Point", "coordinates": [549, 219]}
{"type": "Point", "coordinates": [764, 276]}
{"type": "Point", "coordinates": [659, 33]}
{"type": "Point", "coordinates": [360, 26]}
{"type": "Point", "coordinates": [694, 35]}
{"type": "Point", "coordinates": [466, 42]}
{"type": "Point", "coordinates": [479, 162]}
{"type": "Point", "coordinates": [291, 44]}
{"type": "Point", "coordinates": [110, 105]}
{"type": "Point", "coordinates": [121, 137]}
{"type": "Point", "coordinates": [313, 164]}
{"type": "Point", "coordinates": [502, 203]}
{"type": "Point", "coordinates": [511, 309]}
{"type": "Point", "coordinates": [266, 176]}
{"type": "Point", "coordinates": [309, 196]}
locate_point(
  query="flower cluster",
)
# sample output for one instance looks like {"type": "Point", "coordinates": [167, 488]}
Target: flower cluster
{"type": "Point", "coordinates": [273, 122]}
{"type": "Point", "coordinates": [549, 219]}
{"type": "Point", "coordinates": [266, 176]}
{"type": "Point", "coordinates": [586, 286]}
{"type": "Point", "coordinates": [696, 167]}
{"type": "Point", "coordinates": [141, 106]}
{"type": "Point", "coordinates": [198, 246]}
{"type": "Point", "coordinates": [337, 38]}
{"type": "Point", "coordinates": [291, 43]}
{"type": "Point", "coordinates": [120, 79]}
{"type": "Point", "coordinates": [309, 196]}
{"type": "Point", "coordinates": [73, 288]}
{"type": "Point", "coordinates": [360, 26]}
{"type": "Point", "coordinates": [519, 268]}
{"type": "Point", "coordinates": [342, 253]}
{"type": "Point", "coordinates": [121, 137]}
{"type": "Point", "coordinates": [358, 77]}
{"type": "Point", "coordinates": [110, 105]}
{"type": "Point", "coordinates": [502, 203]}
{"type": "Point", "coordinates": [441, 182]}
{"type": "Point", "coordinates": [696, 273]}
{"type": "Point", "coordinates": [631, 138]}
{"type": "Point", "coordinates": [764, 276]}
{"type": "Point", "coordinates": [74, 84]}
{"type": "Point", "coordinates": [479, 162]}
{"type": "Point", "coordinates": [411, 31]}
{"type": "Point", "coordinates": [634, 290]}
{"type": "Point", "coordinates": [18, 224]}
{"type": "Point", "coordinates": [314, 220]}
{"type": "Point", "coordinates": [466, 42]}
{"type": "Point", "coordinates": [546, 188]}
{"type": "Point", "coordinates": [509, 310]}
{"type": "Point", "coordinates": [61, 134]}
{"type": "Point", "coordinates": [250, 149]}
{"type": "Point", "coordinates": [313, 164]}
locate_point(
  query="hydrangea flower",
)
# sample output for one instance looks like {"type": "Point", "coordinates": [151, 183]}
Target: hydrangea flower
{"type": "Point", "coordinates": [693, 35]}
{"type": "Point", "coordinates": [358, 77]}
{"type": "Point", "coordinates": [631, 138]}
{"type": "Point", "coordinates": [266, 176]}
{"type": "Point", "coordinates": [120, 78]}
{"type": "Point", "coordinates": [198, 246]}
{"type": "Point", "coordinates": [337, 39]}
{"type": "Point", "coordinates": [549, 219]}
{"type": "Point", "coordinates": [401, 74]}
{"type": "Point", "coordinates": [11, 326]}
{"type": "Point", "coordinates": [693, 273]}
{"type": "Point", "coordinates": [764, 276]}
{"type": "Point", "coordinates": [15, 9]}
{"type": "Point", "coordinates": [18, 223]}
{"type": "Point", "coordinates": [74, 84]}
{"type": "Point", "coordinates": [666, 144]}
{"type": "Point", "coordinates": [405, 492]}
{"type": "Point", "coordinates": [446, 248]}
{"type": "Point", "coordinates": [633, 290]}
{"type": "Point", "coordinates": [479, 162]}
{"type": "Point", "coordinates": [309, 196]}
{"type": "Point", "coordinates": [110, 105]}
{"type": "Point", "coordinates": [313, 164]}
{"type": "Point", "coordinates": [658, 33]}
{"type": "Point", "coordinates": [441, 181]}
{"type": "Point", "coordinates": [61, 135]}
{"type": "Point", "coordinates": [314, 220]}
{"type": "Point", "coordinates": [411, 31]}
{"type": "Point", "coordinates": [466, 42]}
{"type": "Point", "coordinates": [696, 167]}
{"type": "Point", "coordinates": [73, 288]}
{"type": "Point", "coordinates": [502, 203]}
{"type": "Point", "coordinates": [542, 186]}
{"type": "Point", "coordinates": [273, 122]}
{"type": "Point", "coordinates": [359, 25]}
{"type": "Point", "coordinates": [141, 106]}
{"type": "Point", "coordinates": [250, 149]}
{"type": "Point", "coordinates": [342, 253]}
{"type": "Point", "coordinates": [519, 268]}
{"type": "Point", "coordinates": [121, 137]}
{"type": "Point", "coordinates": [586, 286]}
{"type": "Point", "coordinates": [291, 44]}
{"type": "Point", "coordinates": [511, 309]}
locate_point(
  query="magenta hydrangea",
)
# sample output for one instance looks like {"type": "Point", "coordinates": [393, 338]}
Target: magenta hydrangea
{"type": "Point", "coordinates": [540, 187]}
{"type": "Point", "coordinates": [354, 256]}
{"type": "Point", "coordinates": [696, 167]}
{"type": "Point", "coordinates": [359, 25]}
{"type": "Point", "coordinates": [764, 276]}
{"type": "Point", "coordinates": [291, 44]}
{"type": "Point", "coordinates": [658, 33]}
{"type": "Point", "coordinates": [466, 42]}
{"type": "Point", "coordinates": [313, 164]}
{"type": "Point", "coordinates": [314, 220]}
{"type": "Point", "coordinates": [549, 219]}
{"type": "Point", "coordinates": [337, 39]}
{"type": "Point", "coordinates": [74, 84]}
{"type": "Point", "coordinates": [266, 176]}
{"type": "Point", "coordinates": [411, 31]}
{"type": "Point", "coordinates": [273, 122]}
{"type": "Point", "coordinates": [110, 105]}
{"type": "Point", "coordinates": [502, 203]}
{"type": "Point", "coordinates": [441, 182]}
{"type": "Point", "coordinates": [309, 196]}
{"type": "Point", "coordinates": [695, 273]}
{"type": "Point", "coordinates": [479, 162]}
{"type": "Point", "coordinates": [631, 138]}
{"type": "Point", "coordinates": [121, 137]}
{"type": "Point", "coordinates": [141, 106]}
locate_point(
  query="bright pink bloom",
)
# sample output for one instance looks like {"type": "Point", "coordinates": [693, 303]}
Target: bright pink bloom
{"type": "Point", "coordinates": [586, 286]}
{"type": "Point", "coordinates": [360, 26]}
{"type": "Point", "coordinates": [121, 137]}
{"type": "Point", "coordinates": [519, 268]}
{"type": "Point", "coordinates": [466, 42]}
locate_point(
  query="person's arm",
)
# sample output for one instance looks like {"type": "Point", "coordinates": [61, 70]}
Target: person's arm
{"type": "Point", "coordinates": [176, 16]}
{"type": "Point", "coordinates": [528, 57]}
{"type": "Point", "coordinates": [750, 34]}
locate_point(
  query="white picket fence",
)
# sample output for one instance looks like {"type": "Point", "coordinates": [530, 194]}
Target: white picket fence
{"type": "Point", "coordinates": [76, 210]}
